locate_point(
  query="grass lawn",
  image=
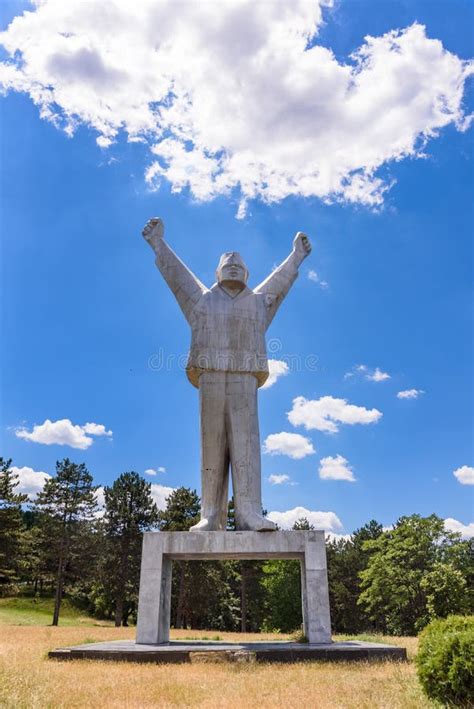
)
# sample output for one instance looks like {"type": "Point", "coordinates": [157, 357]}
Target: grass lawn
{"type": "Point", "coordinates": [29, 679]}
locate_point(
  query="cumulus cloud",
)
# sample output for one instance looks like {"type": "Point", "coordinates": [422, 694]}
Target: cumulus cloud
{"type": "Point", "coordinates": [465, 530]}
{"type": "Point", "coordinates": [464, 475]}
{"type": "Point", "coordinates": [63, 433]}
{"type": "Point", "coordinates": [335, 468]}
{"type": "Point", "coordinates": [332, 537]}
{"type": "Point", "coordinates": [377, 375]}
{"type": "Point", "coordinates": [30, 481]}
{"type": "Point", "coordinates": [96, 429]}
{"type": "Point", "coordinates": [278, 479]}
{"type": "Point", "coordinates": [277, 368]}
{"type": "Point", "coordinates": [100, 499]}
{"type": "Point", "coordinates": [326, 413]}
{"type": "Point", "coordinates": [160, 493]}
{"type": "Point", "coordinates": [320, 520]}
{"type": "Point", "coordinates": [373, 375]}
{"type": "Point", "coordinates": [314, 276]}
{"type": "Point", "coordinates": [238, 96]}
{"type": "Point", "coordinates": [291, 444]}
{"type": "Point", "coordinates": [410, 394]}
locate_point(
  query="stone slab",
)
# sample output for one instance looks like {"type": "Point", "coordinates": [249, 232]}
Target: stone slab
{"type": "Point", "coordinates": [236, 545]}
{"type": "Point", "coordinates": [199, 651]}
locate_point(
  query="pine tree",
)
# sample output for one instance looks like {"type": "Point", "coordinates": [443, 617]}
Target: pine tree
{"type": "Point", "coordinates": [11, 527]}
{"type": "Point", "coordinates": [65, 503]}
{"type": "Point", "coordinates": [129, 511]}
{"type": "Point", "coordinates": [182, 511]}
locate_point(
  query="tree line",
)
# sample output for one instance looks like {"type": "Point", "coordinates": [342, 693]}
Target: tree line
{"type": "Point", "coordinates": [390, 581]}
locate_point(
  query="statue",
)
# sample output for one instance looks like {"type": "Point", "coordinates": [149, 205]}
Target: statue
{"type": "Point", "coordinates": [227, 363]}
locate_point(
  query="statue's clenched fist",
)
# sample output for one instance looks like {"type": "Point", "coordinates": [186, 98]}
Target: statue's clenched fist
{"type": "Point", "coordinates": [153, 231]}
{"type": "Point", "coordinates": [301, 245]}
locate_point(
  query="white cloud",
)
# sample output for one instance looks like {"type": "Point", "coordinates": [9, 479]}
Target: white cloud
{"type": "Point", "coordinates": [159, 494]}
{"type": "Point", "coordinates": [155, 471]}
{"type": "Point", "coordinates": [373, 375]}
{"type": "Point", "coordinates": [314, 276]}
{"type": "Point", "coordinates": [335, 468]}
{"type": "Point", "coordinates": [30, 481]}
{"type": "Point", "coordinates": [465, 475]}
{"type": "Point", "coordinates": [331, 536]}
{"type": "Point", "coordinates": [237, 94]}
{"type": "Point", "coordinates": [453, 525]}
{"type": "Point", "coordinates": [291, 444]}
{"type": "Point", "coordinates": [277, 368]}
{"type": "Point", "coordinates": [410, 394]}
{"type": "Point", "coordinates": [378, 376]}
{"type": "Point", "coordinates": [278, 479]}
{"type": "Point", "coordinates": [63, 433]}
{"type": "Point", "coordinates": [326, 413]}
{"type": "Point", "coordinates": [96, 429]}
{"type": "Point", "coordinates": [100, 499]}
{"type": "Point", "coordinates": [320, 520]}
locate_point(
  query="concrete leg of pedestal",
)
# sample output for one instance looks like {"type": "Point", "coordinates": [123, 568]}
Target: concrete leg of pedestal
{"type": "Point", "coordinates": [154, 604]}
{"type": "Point", "coordinates": [315, 592]}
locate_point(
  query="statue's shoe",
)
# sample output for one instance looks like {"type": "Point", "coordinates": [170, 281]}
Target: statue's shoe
{"type": "Point", "coordinates": [255, 523]}
{"type": "Point", "coordinates": [206, 525]}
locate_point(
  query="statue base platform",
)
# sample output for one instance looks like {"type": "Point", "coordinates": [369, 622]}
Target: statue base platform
{"type": "Point", "coordinates": [199, 652]}
{"type": "Point", "coordinates": [160, 549]}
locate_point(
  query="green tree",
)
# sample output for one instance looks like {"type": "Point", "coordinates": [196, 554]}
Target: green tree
{"type": "Point", "coordinates": [394, 585]}
{"type": "Point", "coordinates": [129, 511]}
{"type": "Point", "coordinates": [446, 591]}
{"type": "Point", "coordinates": [11, 527]}
{"type": "Point", "coordinates": [204, 594]}
{"type": "Point", "coordinates": [346, 559]}
{"type": "Point", "coordinates": [282, 584]}
{"type": "Point", "coordinates": [182, 511]}
{"type": "Point", "coordinates": [65, 505]}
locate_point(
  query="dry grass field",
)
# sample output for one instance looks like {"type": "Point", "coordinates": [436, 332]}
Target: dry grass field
{"type": "Point", "coordinates": [29, 679]}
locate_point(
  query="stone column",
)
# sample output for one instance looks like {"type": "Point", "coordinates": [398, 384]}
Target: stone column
{"type": "Point", "coordinates": [154, 604]}
{"type": "Point", "coordinates": [314, 590]}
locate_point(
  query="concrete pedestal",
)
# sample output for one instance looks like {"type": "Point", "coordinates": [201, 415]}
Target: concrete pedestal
{"type": "Point", "coordinates": [161, 548]}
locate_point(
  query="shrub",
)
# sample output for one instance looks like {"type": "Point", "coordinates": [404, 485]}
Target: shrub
{"type": "Point", "coordinates": [445, 660]}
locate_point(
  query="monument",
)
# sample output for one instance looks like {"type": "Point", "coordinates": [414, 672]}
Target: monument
{"type": "Point", "coordinates": [228, 363]}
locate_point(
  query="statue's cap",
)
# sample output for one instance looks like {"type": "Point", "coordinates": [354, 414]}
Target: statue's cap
{"type": "Point", "coordinates": [231, 257]}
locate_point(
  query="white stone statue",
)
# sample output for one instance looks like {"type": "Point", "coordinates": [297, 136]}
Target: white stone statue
{"type": "Point", "coordinates": [227, 363]}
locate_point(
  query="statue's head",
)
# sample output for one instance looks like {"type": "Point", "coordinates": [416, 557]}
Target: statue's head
{"type": "Point", "coordinates": [231, 270]}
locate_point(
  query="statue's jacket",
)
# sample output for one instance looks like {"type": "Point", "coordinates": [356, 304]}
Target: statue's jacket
{"type": "Point", "coordinates": [227, 332]}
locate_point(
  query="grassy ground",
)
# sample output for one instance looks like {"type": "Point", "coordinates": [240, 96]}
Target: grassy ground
{"type": "Point", "coordinates": [28, 679]}
{"type": "Point", "coordinates": [39, 611]}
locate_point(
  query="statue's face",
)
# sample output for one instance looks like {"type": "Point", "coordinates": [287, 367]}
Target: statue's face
{"type": "Point", "coordinates": [231, 269]}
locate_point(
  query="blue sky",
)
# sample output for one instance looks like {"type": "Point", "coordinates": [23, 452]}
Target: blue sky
{"type": "Point", "coordinates": [86, 318]}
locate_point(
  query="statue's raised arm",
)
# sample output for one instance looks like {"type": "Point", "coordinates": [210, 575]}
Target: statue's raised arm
{"type": "Point", "coordinates": [278, 283]}
{"type": "Point", "coordinates": [186, 288]}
